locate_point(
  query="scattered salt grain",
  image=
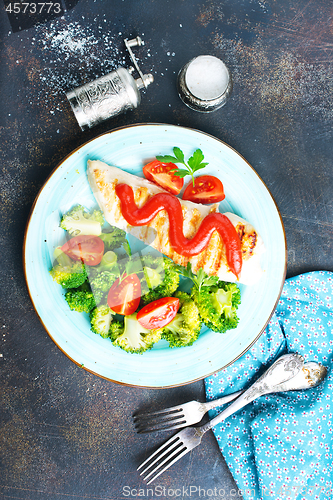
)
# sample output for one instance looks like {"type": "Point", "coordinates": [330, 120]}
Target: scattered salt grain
{"type": "Point", "coordinates": [71, 55]}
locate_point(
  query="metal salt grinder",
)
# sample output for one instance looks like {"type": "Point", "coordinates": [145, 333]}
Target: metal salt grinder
{"type": "Point", "coordinates": [111, 94]}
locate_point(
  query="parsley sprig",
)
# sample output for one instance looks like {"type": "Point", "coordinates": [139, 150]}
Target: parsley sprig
{"type": "Point", "coordinates": [194, 163]}
{"type": "Point", "coordinates": [200, 280]}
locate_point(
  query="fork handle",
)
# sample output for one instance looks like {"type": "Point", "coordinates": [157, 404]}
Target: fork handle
{"type": "Point", "coordinates": [209, 405]}
{"type": "Point", "coordinates": [286, 367]}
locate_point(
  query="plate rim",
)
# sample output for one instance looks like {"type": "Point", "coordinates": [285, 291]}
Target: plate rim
{"type": "Point", "coordinates": [109, 132]}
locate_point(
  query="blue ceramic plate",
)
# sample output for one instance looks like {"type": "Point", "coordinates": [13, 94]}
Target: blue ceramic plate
{"type": "Point", "coordinates": [130, 148]}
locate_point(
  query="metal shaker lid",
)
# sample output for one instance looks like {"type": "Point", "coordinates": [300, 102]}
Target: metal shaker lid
{"type": "Point", "coordinates": [204, 83]}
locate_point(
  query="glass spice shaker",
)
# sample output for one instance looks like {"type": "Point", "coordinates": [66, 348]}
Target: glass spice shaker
{"type": "Point", "coordinates": [204, 83]}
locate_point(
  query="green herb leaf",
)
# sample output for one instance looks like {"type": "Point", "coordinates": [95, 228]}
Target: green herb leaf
{"type": "Point", "coordinates": [181, 172]}
{"type": "Point", "coordinates": [167, 159]}
{"type": "Point", "coordinates": [179, 154]}
{"type": "Point", "coordinates": [127, 248]}
{"type": "Point", "coordinates": [201, 279]}
{"type": "Point", "coordinates": [194, 163]}
{"type": "Point", "coordinates": [196, 158]}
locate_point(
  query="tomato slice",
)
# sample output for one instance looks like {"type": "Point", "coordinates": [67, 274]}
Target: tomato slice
{"type": "Point", "coordinates": [158, 313]}
{"type": "Point", "coordinates": [88, 249]}
{"type": "Point", "coordinates": [160, 173]}
{"type": "Point", "coordinates": [206, 189]}
{"type": "Point", "coordinates": [124, 295]}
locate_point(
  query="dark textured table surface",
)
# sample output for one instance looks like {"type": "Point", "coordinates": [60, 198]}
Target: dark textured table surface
{"type": "Point", "coordinates": [65, 433]}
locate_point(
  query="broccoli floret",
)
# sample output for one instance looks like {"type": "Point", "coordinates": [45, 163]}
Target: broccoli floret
{"type": "Point", "coordinates": [100, 320]}
{"type": "Point", "coordinates": [132, 337]}
{"type": "Point", "coordinates": [108, 262]}
{"type": "Point", "coordinates": [101, 283]}
{"type": "Point", "coordinates": [66, 272]}
{"type": "Point", "coordinates": [218, 305]}
{"type": "Point", "coordinates": [116, 329]}
{"type": "Point", "coordinates": [162, 277]}
{"type": "Point", "coordinates": [102, 277]}
{"type": "Point", "coordinates": [113, 239]}
{"type": "Point", "coordinates": [154, 275]}
{"type": "Point", "coordinates": [185, 328]}
{"type": "Point", "coordinates": [79, 221]}
{"type": "Point", "coordinates": [70, 276]}
{"type": "Point", "coordinates": [80, 299]}
{"type": "Point", "coordinates": [130, 264]}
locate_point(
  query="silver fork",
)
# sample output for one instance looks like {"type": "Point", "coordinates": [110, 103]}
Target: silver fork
{"type": "Point", "coordinates": [192, 412]}
{"type": "Point", "coordinates": [286, 367]}
{"type": "Point", "coordinates": [179, 416]}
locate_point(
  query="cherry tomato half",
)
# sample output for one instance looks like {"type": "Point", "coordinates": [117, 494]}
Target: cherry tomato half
{"type": "Point", "coordinates": [158, 313]}
{"type": "Point", "coordinates": [206, 189]}
{"type": "Point", "coordinates": [88, 249]}
{"type": "Point", "coordinates": [124, 295]}
{"type": "Point", "coordinates": [160, 173]}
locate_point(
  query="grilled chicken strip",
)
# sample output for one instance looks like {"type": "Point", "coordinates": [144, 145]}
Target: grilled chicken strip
{"type": "Point", "coordinates": [103, 179]}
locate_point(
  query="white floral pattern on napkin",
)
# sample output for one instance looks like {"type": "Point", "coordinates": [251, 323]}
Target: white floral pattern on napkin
{"type": "Point", "coordinates": [281, 445]}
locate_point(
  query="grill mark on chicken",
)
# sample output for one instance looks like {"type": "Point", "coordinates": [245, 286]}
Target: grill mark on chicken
{"type": "Point", "coordinates": [248, 240]}
{"type": "Point", "coordinates": [192, 220]}
{"type": "Point", "coordinates": [161, 225]}
{"type": "Point", "coordinates": [141, 195]}
{"type": "Point", "coordinates": [240, 229]}
{"type": "Point", "coordinates": [111, 200]}
{"type": "Point", "coordinates": [219, 254]}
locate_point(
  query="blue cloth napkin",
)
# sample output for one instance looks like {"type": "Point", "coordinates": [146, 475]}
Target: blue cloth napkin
{"type": "Point", "coordinates": [281, 445]}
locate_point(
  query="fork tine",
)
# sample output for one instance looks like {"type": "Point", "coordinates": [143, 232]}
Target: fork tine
{"type": "Point", "coordinates": [178, 457]}
{"type": "Point", "coordinates": [174, 424]}
{"type": "Point", "coordinates": [172, 409]}
{"type": "Point", "coordinates": [161, 451]}
{"type": "Point", "coordinates": [165, 420]}
{"type": "Point", "coordinates": [158, 418]}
